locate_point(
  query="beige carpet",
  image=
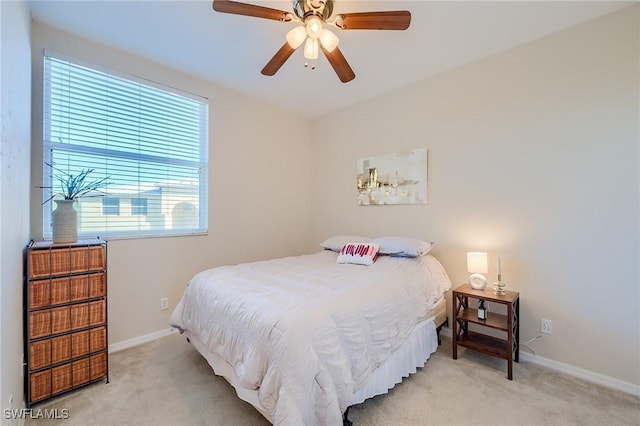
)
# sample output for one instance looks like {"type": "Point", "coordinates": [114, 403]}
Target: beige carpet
{"type": "Point", "coordinates": [166, 382]}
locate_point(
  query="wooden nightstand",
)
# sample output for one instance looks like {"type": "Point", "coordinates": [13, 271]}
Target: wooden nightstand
{"type": "Point", "coordinates": [508, 348]}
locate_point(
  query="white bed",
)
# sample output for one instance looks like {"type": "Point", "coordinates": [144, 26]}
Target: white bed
{"type": "Point", "coordinates": [303, 338]}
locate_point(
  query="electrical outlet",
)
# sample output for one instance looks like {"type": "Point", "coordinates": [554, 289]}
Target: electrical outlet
{"type": "Point", "coordinates": [164, 303]}
{"type": "Point", "coordinates": [546, 326]}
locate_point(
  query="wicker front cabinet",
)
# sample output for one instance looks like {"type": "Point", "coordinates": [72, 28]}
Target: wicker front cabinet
{"type": "Point", "coordinates": [65, 317]}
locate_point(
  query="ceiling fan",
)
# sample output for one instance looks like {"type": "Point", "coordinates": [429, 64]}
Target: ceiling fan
{"type": "Point", "coordinates": [314, 15]}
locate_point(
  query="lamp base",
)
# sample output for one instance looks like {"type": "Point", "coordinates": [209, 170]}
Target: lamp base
{"type": "Point", "coordinates": [498, 288]}
{"type": "Point", "coordinates": [477, 281]}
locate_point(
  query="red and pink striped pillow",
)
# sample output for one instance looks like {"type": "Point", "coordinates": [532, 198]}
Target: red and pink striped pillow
{"type": "Point", "coordinates": [359, 253]}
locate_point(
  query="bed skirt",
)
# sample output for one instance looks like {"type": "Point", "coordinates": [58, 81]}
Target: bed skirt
{"type": "Point", "coordinates": [413, 353]}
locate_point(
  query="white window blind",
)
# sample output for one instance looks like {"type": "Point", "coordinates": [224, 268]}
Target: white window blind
{"type": "Point", "coordinates": [149, 141]}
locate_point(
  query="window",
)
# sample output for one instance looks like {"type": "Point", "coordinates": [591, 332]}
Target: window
{"type": "Point", "coordinates": [149, 140]}
{"type": "Point", "coordinates": [138, 206]}
{"type": "Point", "coordinates": [110, 206]}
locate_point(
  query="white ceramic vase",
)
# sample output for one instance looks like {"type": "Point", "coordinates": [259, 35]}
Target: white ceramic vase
{"type": "Point", "coordinates": [65, 222]}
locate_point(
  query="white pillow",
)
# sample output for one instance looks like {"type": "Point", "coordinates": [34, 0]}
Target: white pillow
{"type": "Point", "coordinates": [403, 247]}
{"type": "Point", "coordinates": [359, 254]}
{"type": "Point", "coordinates": [337, 242]}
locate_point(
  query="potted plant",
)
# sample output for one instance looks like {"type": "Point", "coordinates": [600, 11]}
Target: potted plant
{"type": "Point", "coordinates": [72, 187]}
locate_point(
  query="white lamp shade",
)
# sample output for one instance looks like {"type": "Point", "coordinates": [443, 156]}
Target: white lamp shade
{"type": "Point", "coordinates": [329, 40]}
{"type": "Point", "coordinates": [311, 49]}
{"type": "Point", "coordinates": [296, 37]}
{"type": "Point", "coordinates": [477, 262]}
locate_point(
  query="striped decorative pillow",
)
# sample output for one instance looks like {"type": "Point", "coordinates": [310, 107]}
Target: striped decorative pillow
{"type": "Point", "coordinates": [359, 253]}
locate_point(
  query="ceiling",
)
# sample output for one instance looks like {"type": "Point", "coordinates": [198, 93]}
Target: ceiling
{"type": "Point", "coordinates": [231, 50]}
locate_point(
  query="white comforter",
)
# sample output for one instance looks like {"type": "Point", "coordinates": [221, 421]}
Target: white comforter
{"type": "Point", "coordinates": [306, 331]}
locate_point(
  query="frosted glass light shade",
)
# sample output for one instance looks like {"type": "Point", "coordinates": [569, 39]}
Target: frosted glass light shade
{"type": "Point", "coordinates": [477, 262]}
{"type": "Point", "coordinates": [311, 49]}
{"type": "Point", "coordinates": [329, 40]}
{"type": "Point", "coordinates": [314, 27]}
{"type": "Point", "coordinates": [296, 37]}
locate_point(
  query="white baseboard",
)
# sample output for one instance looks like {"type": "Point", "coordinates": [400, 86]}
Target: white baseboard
{"type": "Point", "coordinates": [571, 370]}
{"type": "Point", "coordinates": [583, 374]}
{"type": "Point", "coordinates": [135, 341]}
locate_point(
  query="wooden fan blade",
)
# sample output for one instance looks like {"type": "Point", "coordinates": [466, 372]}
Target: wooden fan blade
{"type": "Point", "coordinates": [237, 8]}
{"type": "Point", "coordinates": [339, 64]}
{"type": "Point", "coordinates": [278, 59]}
{"type": "Point", "coordinates": [391, 20]}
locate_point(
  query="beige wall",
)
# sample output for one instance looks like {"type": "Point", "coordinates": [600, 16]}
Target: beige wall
{"type": "Point", "coordinates": [15, 128]}
{"type": "Point", "coordinates": [256, 170]}
{"type": "Point", "coordinates": [533, 156]}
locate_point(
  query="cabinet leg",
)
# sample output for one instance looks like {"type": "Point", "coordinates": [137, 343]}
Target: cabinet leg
{"type": "Point", "coordinates": [454, 335]}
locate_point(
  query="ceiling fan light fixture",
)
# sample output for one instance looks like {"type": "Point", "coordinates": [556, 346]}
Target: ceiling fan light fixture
{"type": "Point", "coordinates": [329, 40]}
{"type": "Point", "coordinates": [311, 49]}
{"type": "Point", "coordinates": [296, 37]}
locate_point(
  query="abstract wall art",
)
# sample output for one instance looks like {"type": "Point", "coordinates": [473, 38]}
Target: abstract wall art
{"type": "Point", "coordinates": [398, 178]}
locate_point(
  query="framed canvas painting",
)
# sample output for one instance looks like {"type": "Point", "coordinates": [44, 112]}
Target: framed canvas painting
{"type": "Point", "coordinates": [398, 178]}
